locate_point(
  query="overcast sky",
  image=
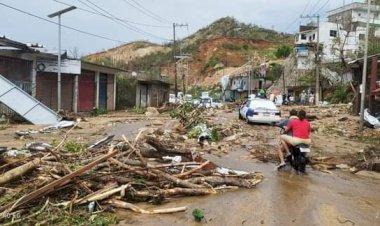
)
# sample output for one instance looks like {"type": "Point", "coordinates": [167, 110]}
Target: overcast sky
{"type": "Point", "coordinates": [154, 19]}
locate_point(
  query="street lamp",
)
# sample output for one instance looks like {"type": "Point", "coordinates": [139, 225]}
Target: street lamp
{"type": "Point", "coordinates": [364, 75]}
{"type": "Point", "coordinates": [59, 13]}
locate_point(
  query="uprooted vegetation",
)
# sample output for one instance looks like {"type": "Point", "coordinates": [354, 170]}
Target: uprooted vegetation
{"type": "Point", "coordinates": [77, 185]}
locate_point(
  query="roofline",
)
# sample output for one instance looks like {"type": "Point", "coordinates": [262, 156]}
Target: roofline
{"type": "Point", "coordinates": [153, 81]}
{"type": "Point", "coordinates": [352, 6]}
{"type": "Point", "coordinates": [84, 62]}
{"type": "Point", "coordinates": [359, 60]}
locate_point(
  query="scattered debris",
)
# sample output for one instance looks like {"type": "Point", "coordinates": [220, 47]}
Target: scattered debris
{"type": "Point", "coordinates": [117, 173]}
{"type": "Point", "coordinates": [372, 122]}
{"type": "Point", "coordinates": [151, 111]}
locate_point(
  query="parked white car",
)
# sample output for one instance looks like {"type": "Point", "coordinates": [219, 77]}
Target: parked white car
{"type": "Point", "coordinates": [216, 103]}
{"type": "Point", "coordinates": [208, 102]}
{"type": "Point", "coordinates": [259, 111]}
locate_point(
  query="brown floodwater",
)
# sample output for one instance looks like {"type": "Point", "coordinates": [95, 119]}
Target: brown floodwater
{"type": "Point", "coordinates": [283, 198]}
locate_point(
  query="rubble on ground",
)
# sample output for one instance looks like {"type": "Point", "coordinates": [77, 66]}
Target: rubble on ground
{"type": "Point", "coordinates": [151, 168]}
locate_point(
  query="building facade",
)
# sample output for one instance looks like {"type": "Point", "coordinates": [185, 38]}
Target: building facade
{"type": "Point", "coordinates": [86, 87]}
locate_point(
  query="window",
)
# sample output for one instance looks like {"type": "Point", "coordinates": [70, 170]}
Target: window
{"type": "Point", "coordinates": [303, 36]}
{"type": "Point", "coordinates": [313, 36]}
{"type": "Point", "coordinates": [361, 36]}
{"type": "Point", "coordinates": [333, 33]}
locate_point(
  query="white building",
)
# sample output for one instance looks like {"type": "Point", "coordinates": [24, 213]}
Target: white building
{"type": "Point", "coordinates": [343, 34]}
{"type": "Point", "coordinates": [333, 40]}
{"type": "Point", "coordinates": [353, 17]}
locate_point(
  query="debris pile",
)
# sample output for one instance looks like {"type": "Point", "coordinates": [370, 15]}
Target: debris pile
{"type": "Point", "coordinates": [110, 174]}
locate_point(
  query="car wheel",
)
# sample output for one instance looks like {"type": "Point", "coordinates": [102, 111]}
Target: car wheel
{"type": "Point", "coordinates": [240, 115]}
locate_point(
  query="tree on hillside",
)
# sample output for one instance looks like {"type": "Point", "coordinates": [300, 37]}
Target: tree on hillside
{"type": "Point", "coordinates": [283, 51]}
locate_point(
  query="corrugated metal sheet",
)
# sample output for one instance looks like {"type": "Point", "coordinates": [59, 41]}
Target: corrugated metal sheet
{"type": "Point", "coordinates": [15, 69]}
{"type": "Point", "coordinates": [46, 90]}
{"type": "Point", "coordinates": [86, 98]}
{"type": "Point", "coordinates": [24, 104]}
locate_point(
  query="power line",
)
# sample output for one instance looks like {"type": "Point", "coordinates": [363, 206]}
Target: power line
{"type": "Point", "coordinates": [153, 14]}
{"type": "Point", "coordinates": [120, 19]}
{"type": "Point", "coordinates": [307, 5]}
{"type": "Point", "coordinates": [65, 26]}
{"type": "Point", "coordinates": [142, 11]}
{"type": "Point", "coordinates": [323, 6]}
{"type": "Point", "coordinates": [291, 24]}
{"type": "Point", "coordinates": [122, 23]}
{"type": "Point", "coordinates": [315, 6]}
{"type": "Point", "coordinates": [297, 18]}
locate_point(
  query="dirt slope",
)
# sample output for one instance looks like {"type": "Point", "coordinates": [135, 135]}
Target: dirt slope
{"type": "Point", "coordinates": [122, 55]}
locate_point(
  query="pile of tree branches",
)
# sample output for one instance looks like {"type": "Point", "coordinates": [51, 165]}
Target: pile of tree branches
{"type": "Point", "coordinates": [109, 174]}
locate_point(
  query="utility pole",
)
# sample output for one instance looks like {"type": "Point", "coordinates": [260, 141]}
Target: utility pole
{"type": "Point", "coordinates": [317, 61]}
{"type": "Point", "coordinates": [174, 57]}
{"type": "Point", "coordinates": [364, 75]}
{"type": "Point", "coordinates": [59, 13]}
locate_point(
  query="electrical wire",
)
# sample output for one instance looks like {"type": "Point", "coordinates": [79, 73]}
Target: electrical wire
{"type": "Point", "coordinates": [297, 18]}
{"type": "Point", "coordinates": [120, 19]}
{"type": "Point", "coordinates": [65, 26]}
{"type": "Point", "coordinates": [145, 13]}
{"type": "Point", "coordinates": [307, 5]}
{"type": "Point", "coordinates": [315, 6]}
{"type": "Point", "coordinates": [323, 6]}
{"type": "Point", "coordinates": [147, 10]}
{"type": "Point", "coordinates": [124, 24]}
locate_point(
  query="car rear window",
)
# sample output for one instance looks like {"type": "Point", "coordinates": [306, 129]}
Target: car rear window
{"type": "Point", "coordinates": [267, 104]}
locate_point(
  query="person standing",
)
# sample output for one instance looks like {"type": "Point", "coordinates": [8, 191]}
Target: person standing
{"type": "Point", "coordinates": [303, 97]}
{"type": "Point", "coordinates": [311, 99]}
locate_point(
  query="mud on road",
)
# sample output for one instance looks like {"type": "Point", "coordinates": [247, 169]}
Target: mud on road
{"type": "Point", "coordinates": [283, 198]}
{"type": "Point", "coordinates": [333, 197]}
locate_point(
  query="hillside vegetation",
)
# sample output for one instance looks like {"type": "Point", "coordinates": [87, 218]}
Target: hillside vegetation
{"type": "Point", "coordinates": [223, 44]}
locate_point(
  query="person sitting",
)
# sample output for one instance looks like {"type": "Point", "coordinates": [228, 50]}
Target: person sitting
{"type": "Point", "coordinates": [301, 130]}
{"type": "Point", "coordinates": [284, 123]}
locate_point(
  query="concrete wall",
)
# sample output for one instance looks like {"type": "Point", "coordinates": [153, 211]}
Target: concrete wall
{"type": "Point", "coordinates": [156, 93]}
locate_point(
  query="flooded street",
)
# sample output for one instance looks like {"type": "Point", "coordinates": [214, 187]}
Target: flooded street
{"type": "Point", "coordinates": [283, 198]}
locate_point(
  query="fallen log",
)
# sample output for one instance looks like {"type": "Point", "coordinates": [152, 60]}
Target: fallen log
{"type": "Point", "coordinates": [232, 181]}
{"type": "Point", "coordinates": [54, 185]}
{"type": "Point", "coordinates": [135, 150]}
{"type": "Point", "coordinates": [193, 170]}
{"type": "Point", "coordinates": [159, 154]}
{"type": "Point", "coordinates": [173, 164]}
{"type": "Point", "coordinates": [174, 192]}
{"type": "Point", "coordinates": [98, 195]}
{"type": "Point", "coordinates": [132, 169]}
{"type": "Point", "coordinates": [164, 146]}
{"type": "Point", "coordinates": [176, 180]}
{"type": "Point", "coordinates": [19, 171]}
{"type": "Point", "coordinates": [134, 208]}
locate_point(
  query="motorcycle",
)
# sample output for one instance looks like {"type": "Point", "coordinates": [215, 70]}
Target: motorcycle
{"type": "Point", "coordinates": [298, 158]}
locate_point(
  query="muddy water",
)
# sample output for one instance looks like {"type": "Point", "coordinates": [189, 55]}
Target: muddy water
{"type": "Point", "coordinates": [283, 198]}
